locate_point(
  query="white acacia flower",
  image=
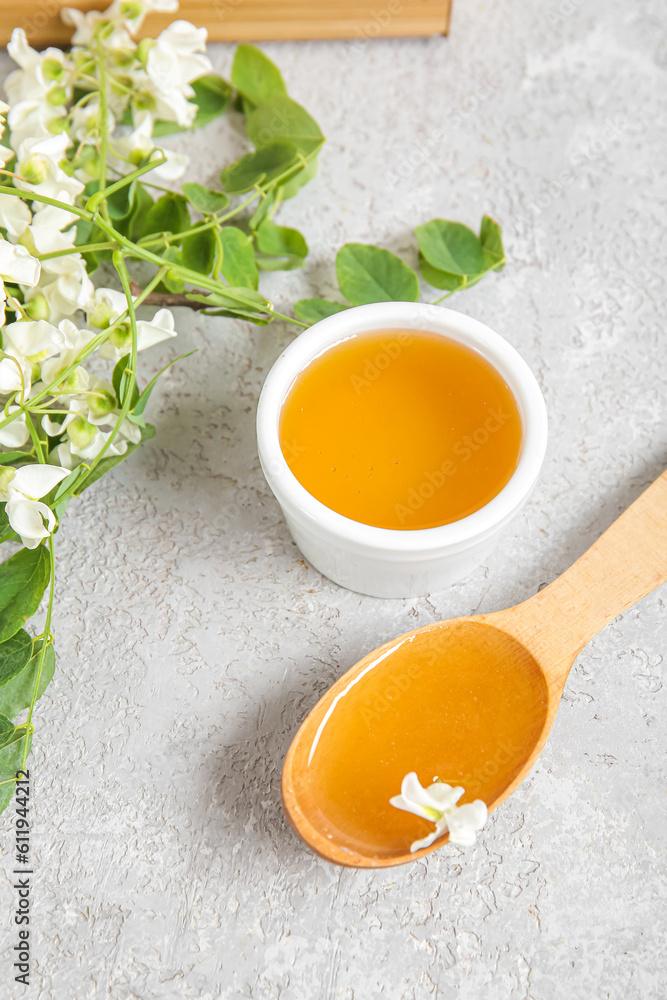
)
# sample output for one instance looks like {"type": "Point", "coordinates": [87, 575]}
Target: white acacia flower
{"type": "Point", "coordinates": [136, 146]}
{"type": "Point", "coordinates": [15, 216]}
{"type": "Point", "coordinates": [38, 164]}
{"type": "Point", "coordinates": [30, 120]}
{"type": "Point", "coordinates": [149, 333]}
{"type": "Point", "coordinates": [34, 340]}
{"type": "Point", "coordinates": [105, 306]}
{"type": "Point", "coordinates": [133, 12]}
{"type": "Point", "coordinates": [85, 25]}
{"type": "Point", "coordinates": [437, 803]}
{"type": "Point", "coordinates": [39, 72]}
{"type": "Point", "coordinates": [61, 295]}
{"type": "Point", "coordinates": [85, 440]}
{"type": "Point", "coordinates": [16, 434]}
{"type": "Point", "coordinates": [76, 340]}
{"type": "Point", "coordinates": [16, 265]}
{"type": "Point", "coordinates": [174, 61]}
{"type": "Point", "coordinates": [5, 152]}
{"type": "Point", "coordinates": [85, 120]}
{"type": "Point", "coordinates": [22, 490]}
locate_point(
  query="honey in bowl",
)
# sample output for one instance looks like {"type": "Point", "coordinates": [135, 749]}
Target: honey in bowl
{"type": "Point", "coordinates": [463, 702]}
{"type": "Point", "coordinates": [401, 429]}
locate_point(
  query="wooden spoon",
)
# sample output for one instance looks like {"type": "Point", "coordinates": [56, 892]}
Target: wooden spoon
{"type": "Point", "coordinates": [627, 562]}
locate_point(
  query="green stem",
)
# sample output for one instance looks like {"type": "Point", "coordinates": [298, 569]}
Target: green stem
{"type": "Point", "coordinates": [95, 199]}
{"type": "Point", "coordinates": [52, 388]}
{"type": "Point", "coordinates": [42, 652]}
{"type": "Point", "coordinates": [104, 132]}
{"type": "Point", "coordinates": [129, 379]}
{"type": "Point", "coordinates": [443, 297]}
{"type": "Point", "coordinates": [82, 248]}
{"type": "Point", "coordinates": [34, 196]}
{"type": "Point", "coordinates": [207, 225]}
{"type": "Point", "coordinates": [35, 438]}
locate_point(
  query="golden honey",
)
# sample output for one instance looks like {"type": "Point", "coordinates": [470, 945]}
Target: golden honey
{"type": "Point", "coordinates": [401, 429]}
{"type": "Point", "coordinates": [460, 701]}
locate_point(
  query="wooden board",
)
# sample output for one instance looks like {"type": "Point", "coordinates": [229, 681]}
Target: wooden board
{"type": "Point", "coordinates": [249, 20]}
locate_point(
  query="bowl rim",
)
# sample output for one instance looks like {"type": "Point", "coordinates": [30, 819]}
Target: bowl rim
{"type": "Point", "coordinates": [311, 513]}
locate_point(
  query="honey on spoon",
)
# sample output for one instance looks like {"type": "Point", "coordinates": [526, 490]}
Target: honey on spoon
{"type": "Point", "coordinates": [470, 701]}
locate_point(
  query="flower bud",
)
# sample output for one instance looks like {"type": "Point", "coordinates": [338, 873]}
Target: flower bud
{"type": "Point", "coordinates": [100, 314]}
{"type": "Point", "coordinates": [83, 62]}
{"type": "Point", "coordinates": [57, 96]}
{"type": "Point", "coordinates": [81, 432]}
{"type": "Point", "coordinates": [7, 473]}
{"type": "Point", "coordinates": [26, 240]}
{"type": "Point", "coordinates": [58, 125]}
{"type": "Point", "coordinates": [122, 337]}
{"type": "Point", "coordinates": [52, 69]}
{"type": "Point", "coordinates": [34, 170]}
{"type": "Point", "coordinates": [143, 48]}
{"type": "Point", "coordinates": [143, 101]}
{"type": "Point", "coordinates": [123, 57]}
{"type": "Point", "coordinates": [37, 307]}
{"type": "Point", "coordinates": [131, 9]}
{"type": "Point", "coordinates": [101, 403]}
{"type": "Point", "coordinates": [75, 381]}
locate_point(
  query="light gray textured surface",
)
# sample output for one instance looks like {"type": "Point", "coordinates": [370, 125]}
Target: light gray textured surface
{"type": "Point", "coordinates": [192, 638]}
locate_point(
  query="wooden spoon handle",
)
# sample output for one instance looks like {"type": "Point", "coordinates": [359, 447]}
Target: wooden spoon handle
{"type": "Point", "coordinates": [627, 562]}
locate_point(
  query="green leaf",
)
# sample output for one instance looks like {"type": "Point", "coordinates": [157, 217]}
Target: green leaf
{"type": "Point", "coordinates": [145, 395]}
{"type": "Point", "coordinates": [265, 207]}
{"type": "Point", "coordinates": [120, 202]}
{"type": "Point", "coordinates": [14, 654]}
{"type": "Point", "coordinates": [233, 298]}
{"type": "Point", "coordinates": [212, 97]}
{"type": "Point", "coordinates": [491, 239]}
{"type": "Point", "coordinates": [107, 464]}
{"type": "Point", "coordinates": [11, 759]}
{"type": "Point", "coordinates": [10, 457]}
{"type": "Point", "coordinates": [238, 258]}
{"type": "Point", "coordinates": [255, 76]}
{"type": "Point", "coordinates": [368, 273]}
{"type": "Point", "coordinates": [136, 222]}
{"type": "Point", "coordinates": [7, 730]}
{"type": "Point", "coordinates": [451, 247]}
{"type": "Point", "coordinates": [440, 279]}
{"type": "Point", "coordinates": [280, 240]}
{"type": "Point", "coordinates": [169, 283]}
{"type": "Point", "coordinates": [23, 580]}
{"type": "Point", "coordinates": [293, 184]}
{"type": "Point", "coordinates": [198, 251]}
{"type": "Point", "coordinates": [169, 214]}
{"type": "Point", "coordinates": [283, 120]}
{"type": "Point", "coordinates": [16, 694]}
{"type": "Point", "coordinates": [118, 381]}
{"type": "Point", "coordinates": [205, 200]}
{"type": "Point", "coordinates": [259, 167]}
{"type": "Point", "coordinates": [313, 310]}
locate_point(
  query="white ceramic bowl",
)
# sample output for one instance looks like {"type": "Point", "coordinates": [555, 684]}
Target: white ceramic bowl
{"type": "Point", "coordinates": [384, 562]}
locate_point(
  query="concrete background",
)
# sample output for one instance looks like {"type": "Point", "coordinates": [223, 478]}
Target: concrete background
{"type": "Point", "coordinates": [192, 638]}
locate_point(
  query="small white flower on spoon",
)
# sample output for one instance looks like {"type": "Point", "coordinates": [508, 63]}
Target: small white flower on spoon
{"type": "Point", "coordinates": [22, 490]}
{"type": "Point", "coordinates": [438, 803]}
